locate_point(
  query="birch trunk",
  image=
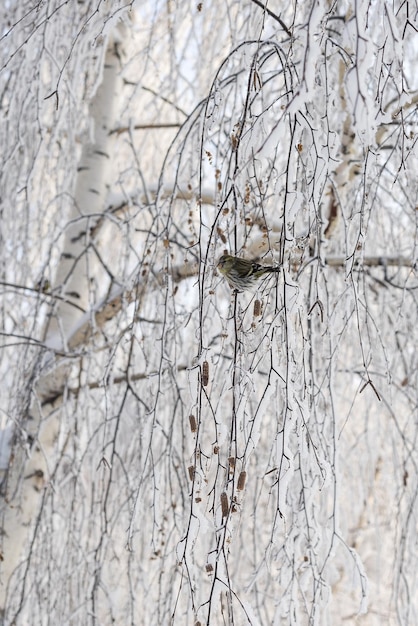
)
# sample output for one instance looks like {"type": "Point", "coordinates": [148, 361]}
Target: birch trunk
{"type": "Point", "coordinates": [29, 467]}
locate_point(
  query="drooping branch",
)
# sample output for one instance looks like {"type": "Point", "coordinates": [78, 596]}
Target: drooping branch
{"type": "Point", "coordinates": [29, 472]}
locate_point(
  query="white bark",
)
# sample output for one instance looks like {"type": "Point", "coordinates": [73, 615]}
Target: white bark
{"type": "Point", "coordinates": [78, 264]}
{"type": "Point", "coordinates": [30, 466]}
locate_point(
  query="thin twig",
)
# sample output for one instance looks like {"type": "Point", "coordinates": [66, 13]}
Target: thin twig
{"type": "Point", "coordinates": [274, 16]}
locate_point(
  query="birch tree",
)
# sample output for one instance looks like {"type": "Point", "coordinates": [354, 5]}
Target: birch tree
{"type": "Point", "coordinates": [174, 452]}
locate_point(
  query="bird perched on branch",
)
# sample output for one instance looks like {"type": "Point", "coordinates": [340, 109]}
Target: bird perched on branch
{"type": "Point", "coordinates": [242, 274]}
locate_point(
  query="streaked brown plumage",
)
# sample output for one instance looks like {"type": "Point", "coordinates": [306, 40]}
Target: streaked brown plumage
{"type": "Point", "coordinates": [242, 274]}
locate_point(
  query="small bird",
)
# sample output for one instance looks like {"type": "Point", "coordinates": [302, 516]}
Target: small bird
{"type": "Point", "coordinates": [242, 274]}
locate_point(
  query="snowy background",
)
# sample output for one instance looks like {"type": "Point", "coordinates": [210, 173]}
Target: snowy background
{"type": "Point", "coordinates": [172, 453]}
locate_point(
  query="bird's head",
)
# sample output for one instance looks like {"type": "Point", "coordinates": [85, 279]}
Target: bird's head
{"type": "Point", "coordinates": [225, 263]}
